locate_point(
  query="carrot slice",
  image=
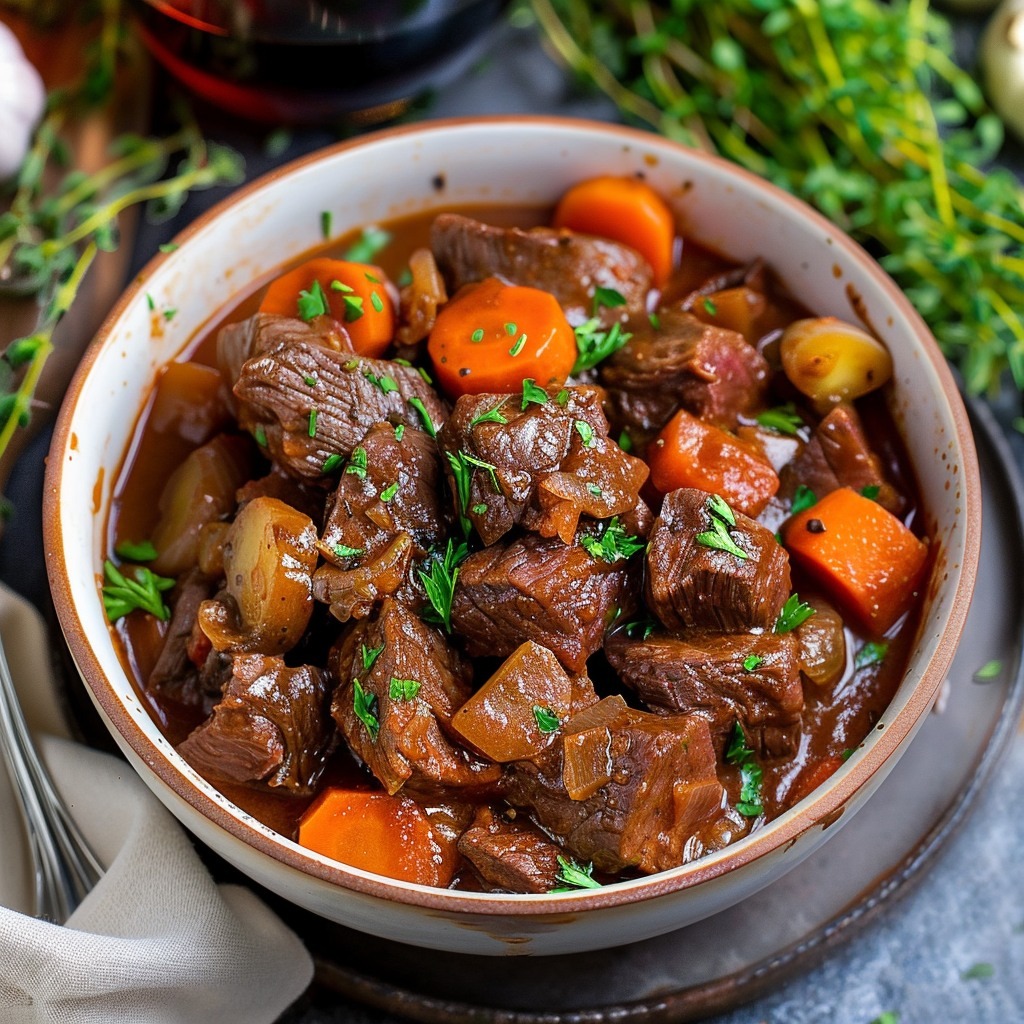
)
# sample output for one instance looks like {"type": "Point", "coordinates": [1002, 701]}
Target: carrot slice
{"type": "Point", "coordinates": [691, 453]}
{"type": "Point", "coordinates": [625, 210]}
{"type": "Point", "coordinates": [493, 336]}
{"type": "Point", "coordinates": [354, 294]}
{"type": "Point", "coordinates": [812, 777]}
{"type": "Point", "coordinates": [861, 554]}
{"type": "Point", "coordinates": [390, 835]}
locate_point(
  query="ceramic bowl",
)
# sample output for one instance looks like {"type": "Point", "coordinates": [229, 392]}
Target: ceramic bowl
{"type": "Point", "coordinates": [516, 161]}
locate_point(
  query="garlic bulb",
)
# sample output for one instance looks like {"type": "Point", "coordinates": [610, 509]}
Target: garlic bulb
{"type": "Point", "coordinates": [1002, 64]}
{"type": "Point", "coordinates": [22, 98]}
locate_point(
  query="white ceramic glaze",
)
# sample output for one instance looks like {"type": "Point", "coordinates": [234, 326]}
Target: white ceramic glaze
{"type": "Point", "coordinates": [518, 160]}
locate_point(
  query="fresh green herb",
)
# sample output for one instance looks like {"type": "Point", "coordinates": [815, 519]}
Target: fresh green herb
{"type": "Point", "coordinates": [510, 329]}
{"type": "Point", "coordinates": [169, 247]}
{"type": "Point", "coordinates": [122, 595]}
{"type": "Point", "coordinates": [574, 876]}
{"type": "Point", "coordinates": [493, 415]}
{"type": "Point", "coordinates": [403, 689]}
{"type": "Point", "coordinates": [372, 279]}
{"type": "Point", "coordinates": [357, 463]}
{"type": "Point", "coordinates": [518, 346]}
{"type": "Point", "coordinates": [594, 343]}
{"type": "Point", "coordinates": [150, 302]}
{"type": "Point", "coordinates": [989, 671]}
{"type": "Point", "coordinates": [376, 302]}
{"type": "Point", "coordinates": [310, 381]}
{"type": "Point", "coordinates": [533, 393]}
{"type": "Point", "coordinates": [259, 435]}
{"type": "Point", "coordinates": [794, 613]}
{"type": "Point", "coordinates": [625, 442]}
{"type": "Point", "coordinates": [370, 243]}
{"type": "Point", "coordinates": [847, 753]}
{"type": "Point", "coordinates": [751, 661]}
{"type": "Point", "coordinates": [399, 431]}
{"type": "Point", "coordinates": [277, 142]}
{"type": "Point", "coordinates": [613, 543]}
{"type": "Point", "coordinates": [170, 313]}
{"type": "Point", "coordinates": [385, 383]}
{"type": "Point", "coordinates": [340, 286]}
{"type": "Point", "coordinates": [428, 426]}
{"type": "Point", "coordinates": [643, 627]}
{"type": "Point", "coordinates": [405, 278]}
{"type": "Point", "coordinates": [313, 303]}
{"type": "Point", "coordinates": [477, 336]}
{"type": "Point", "coordinates": [586, 432]}
{"type": "Point", "coordinates": [364, 704]}
{"type": "Point", "coordinates": [344, 551]}
{"type": "Point", "coordinates": [871, 653]}
{"type": "Point", "coordinates": [709, 307]}
{"type": "Point", "coordinates": [889, 1017]}
{"type": "Point", "coordinates": [547, 721]}
{"type": "Point", "coordinates": [132, 551]}
{"type": "Point", "coordinates": [370, 655]}
{"type": "Point", "coordinates": [480, 508]}
{"type": "Point", "coordinates": [610, 298]}
{"type": "Point", "coordinates": [389, 492]}
{"type": "Point", "coordinates": [803, 498]}
{"type": "Point", "coordinates": [751, 774]}
{"type": "Point", "coordinates": [440, 578]}
{"type": "Point", "coordinates": [718, 537]}
{"type": "Point", "coordinates": [870, 492]}
{"type": "Point", "coordinates": [353, 308]}
{"type": "Point", "coordinates": [325, 224]}
{"type": "Point", "coordinates": [331, 463]}
{"type": "Point", "coordinates": [654, 320]}
{"type": "Point", "coordinates": [311, 430]}
{"type": "Point", "coordinates": [562, 397]}
{"type": "Point", "coordinates": [594, 490]}
{"type": "Point", "coordinates": [783, 419]}
{"type": "Point", "coordinates": [427, 379]}
{"type": "Point", "coordinates": [978, 972]}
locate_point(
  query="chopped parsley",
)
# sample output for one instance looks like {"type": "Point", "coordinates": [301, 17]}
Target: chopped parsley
{"type": "Point", "coordinates": [428, 426]}
{"type": "Point", "coordinates": [312, 303]}
{"type": "Point", "coordinates": [344, 551]}
{"type": "Point", "coordinates": [492, 415]}
{"type": "Point", "coordinates": [610, 298]}
{"type": "Point", "coordinates": [480, 508]}
{"type": "Point", "coordinates": [403, 689]}
{"type": "Point", "coordinates": [547, 721]}
{"type": "Point", "coordinates": [389, 492]}
{"type": "Point", "coordinates": [533, 393]}
{"type": "Point", "coordinates": [645, 627]}
{"type": "Point", "coordinates": [718, 537]}
{"type": "Point", "coordinates": [325, 224]}
{"type": "Point", "coordinates": [562, 397]}
{"type": "Point", "coordinates": [575, 876]}
{"type": "Point", "coordinates": [462, 466]}
{"type": "Point", "coordinates": [375, 301]}
{"type": "Point", "coordinates": [518, 346]}
{"type": "Point", "coordinates": [370, 655]}
{"type": "Point", "coordinates": [353, 308]}
{"type": "Point", "coordinates": [150, 302]}
{"type": "Point", "coordinates": [783, 419]}
{"type": "Point", "coordinates": [170, 314]}
{"type": "Point", "coordinates": [122, 595]}
{"type": "Point", "coordinates": [340, 286]}
{"type": "Point", "coordinates": [386, 384]}
{"type": "Point", "coordinates": [751, 662]}
{"type": "Point", "coordinates": [169, 247]}
{"type": "Point", "coordinates": [586, 432]}
{"type": "Point", "coordinates": [625, 442]}
{"type": "Point", "coordinates": [399, 431]}
{"type": "Point", "coordinates": [889, 1017]}
{"type": "Point", "coordinates": [510, 329]}
{"type": "Point", "coordinates": [311, 380]}
{"type": "Point", "coordinates": [259, 435]}
{"type": "Point", "coordinates": [803, 498]}
{"type": "Point", "coordinates": [655, 321]}
{"type": "Point", "coordinates": [331, 463]}
{"type": "Point", "coordinates": [872, 653]}
{"type": "Point", "coordinates": [613, 544]}
{"type": "Point", "coordinates": [364, 704]}
{"type": "Point", "coordinates": [870, 492]}
{"type": "Point", "coordinates": [440, 578]}
{"type": "Point", "coordinates": [594, 344]}
{"type": "Point", "coordinates": [311, 430]}
{"type": "Point", "coordinates": [989, 671]}
{"type": "Point", "coordinates": [742, 757]}
{"type": "Point", "coordinates": [370, 242]}
{"type": "Point", "coordinates": [710, 308]}
{"type": "Point", "coordinates": [136, 551]}
{"type": "Point", "coordinates": [594, 490]}
{"type": "Point", "coordinates": [794, 613]}
{"type": "Point", "coordinates": [978, 972]}
{"type": "Point", "coordinates": [477, 336]}
{"type": "Point", "coordinates": [357, 463]}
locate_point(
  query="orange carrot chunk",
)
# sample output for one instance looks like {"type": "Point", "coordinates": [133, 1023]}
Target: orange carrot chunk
{"type": "Point", "coordinates": [492, 336]}
{"type": "Point", "coordinates": [691, 453]}
{"type": "Point", "coordinates": [625, 210]}
{"type": "Point", "coordinates": [389, 835]}
{"type": "Point", "coordinates": [861, 554]}
{"type": "Point", "coordinates": [354, 294]}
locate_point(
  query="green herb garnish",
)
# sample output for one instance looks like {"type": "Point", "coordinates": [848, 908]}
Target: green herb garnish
{"type": "Point", "coordinates": [783, 419]}
{"type": "Point", "coordinates": [574, 876]}
{"type": "Point", "coordinates": [613, 543]}
{"type": "Point", "coordinates": [313, 303]}
{"type": "Point", "coordinates": [440, 578]}
{"type": "Point", "coordinates": [978, 972]}
{"type": "Point", "coordinates": [989, 671]}
{"type": "Point", "coordinates": [803, 498]}
{"type": "Point", "coordinates": [353, 308]}
{"type": "Point", "coordinates": [428, 426]}
{"type": "Point", "coordinates": [533, 393]}
{"type": "Point", "coordinates": [510, 329]}
{"type": "Point", "coordinates": [389, 492]}
{"type": "Point", "coordinates": [610, 298]}
{"type": "Point", "coordinates": [403, 689]}
{"type": "Point", "coordinates": [520, 342]}
{"type": "Point", "coordinates": [170, 313]}
{"type": "Point", "coordinates": [370, 655]}
{"type": "Point", "coordinates": [586, 432]}
{"type": "Point", "coordinates": [594, 343]}
{"type": "Point", "coordinates": [169, 247]}
{"type": "Point", "coordinates": [344, 551]}
{"type": "Point", "coordinates": [718, 537]}
{"type": "Point", "coordinates": [477, 336]}
{"type": "Point", "coordinates": [311, 429]}
{"type": "Point", "coordinates": [259, 435]}
{"type": "Point", "coordinates": [123, 595]}
{"type": "Point", "coordinates": [871, 653]}
{"type": "Point", "coordinates": [709, 307]}
{"type": "Point", "coordinates": [562, 397]}
{"type": "Point", "coordinates": [376, 302]}
{"type": "Point", "coordinates": [480, 508]}
{"type": "Point", "coordinates": [751, 774]}
{"type": "Point", "coordinates": [325, 224]}
{"type": "Point", "coordinates": [357, 463]}
{"type": "Point", "coordinates": [547, 721]}
{"type": "Point", "coordinates": [386, 384]}
{"type": "Point", "coordinates": [310, 380]}
{"type": "Point", "coordinates": [364, 704]}
{"type": "Point", "coordinates": [751, 661]}
{"type": "Point", "coordinates": [370, 242]}
{"type": "Point", "coordinates": [644, 627]}
{"type": "Point", "coordinates": [331, 463]}
{"type": "Point", "coordinates": [491, 416]}
{"type": "Point", "coordinates": [136, 551]}
{"type": "Point", "coordinates": [794, 613]}
{"type": "Point", "coordinates": [870, 492]}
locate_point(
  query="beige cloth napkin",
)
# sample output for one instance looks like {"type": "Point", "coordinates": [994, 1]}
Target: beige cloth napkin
{"type": "Point", "coordinates": [157, 941]}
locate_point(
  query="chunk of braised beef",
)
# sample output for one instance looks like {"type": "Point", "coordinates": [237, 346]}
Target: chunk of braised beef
{"type": "Point", "coordinates": [839, 455]}
{"type": "Point", "coordinates": [536, 588]}
{"type": "Point", "coordinates": [311, 404]}
{"type": "Point", "coordinates": [541, 467]}
{"type": "Point", "coordinates": [654, 801]}
{"type": "Point", "coordinates": [735, 299]}
{"type": "Point", "coordinates": [709, 371]}
{"type": "Point", "coordinates": [722, 677]}
{"type": "Point", "coordinates": [271, 726]}
{"type": "Point", "coordinates": [511, 856]}
{"type": "Point", "coordinates": [690, 583]}
{"type": "Point", "coordinates": [568, 265]}
{"type": "Point", "coordinates": [399, 682]}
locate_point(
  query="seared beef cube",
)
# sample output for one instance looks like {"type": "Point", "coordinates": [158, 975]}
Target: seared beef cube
{"type": "Point", "coordinates": [541, 467]}
{"type": "Point", "coordinates": [272, 726]}
{"type": "Point", "coordinates": [838, 455]}
{"type": "Point", "coordinates": [540, 589]}
{"type": "Point", "coordinates": [175, 675]}
{"type": "Point", "coordinates": [656, 800]}
{"type": "Point", "coordinates": [511, 856]}
{"type": "Point", "coordinates": [709, 371]}
{"type": "Point", "coordinates": [752, 677]}
{"type": "Point", "coordinates": [392, 489]}
{"type": "Point", "coordinates": [309, 403]}
{"type": "Point", "coordinates": [399, 684]}
{"type": "Point", "coordinates": [690, 583]}
{"type": "Point", "coordinates": [568, 265]}
{"type": "Point", "coordinates": [519, 710]}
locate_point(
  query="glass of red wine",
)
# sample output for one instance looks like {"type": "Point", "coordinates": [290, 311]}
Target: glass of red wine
{"type": "Point", "coordinates": [315, 60]}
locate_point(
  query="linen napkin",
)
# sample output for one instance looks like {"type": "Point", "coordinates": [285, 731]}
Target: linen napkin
{"type": "Point", "coordinates": [157, 941]}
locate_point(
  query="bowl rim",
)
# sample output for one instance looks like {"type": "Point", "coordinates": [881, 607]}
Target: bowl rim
{"type": "Point", "coordinates": [820, 809]}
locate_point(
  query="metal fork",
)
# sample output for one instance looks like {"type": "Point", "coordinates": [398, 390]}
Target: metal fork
{"type": "Point", "coordinates": [65, 868]}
